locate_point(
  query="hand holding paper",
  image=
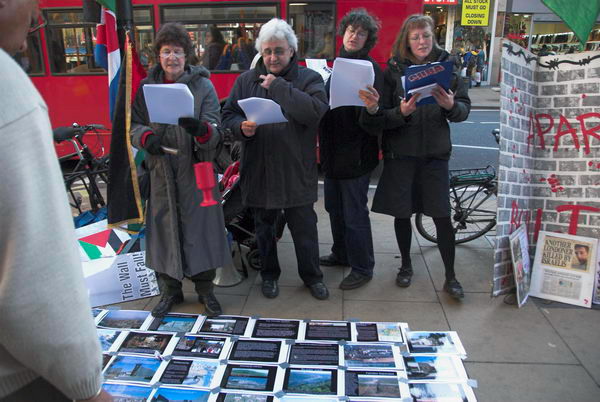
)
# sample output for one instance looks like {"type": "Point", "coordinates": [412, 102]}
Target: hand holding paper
{"type": "Point", "coordinates": [262, 111]}
{"type": "Point", "coordinates": [166, 103]}
{"type": "Point", "coordinates": [349, 76]}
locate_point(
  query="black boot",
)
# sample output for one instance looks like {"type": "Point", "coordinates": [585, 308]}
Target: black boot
{"type": "Point", "coordinates": [454, 289]}
{"type": "Point", "coordinates": [165, 304]}
{"type": "Point", "coordinates": [404, 276]}
{"type": "Point", "coordinates": [211, 304]}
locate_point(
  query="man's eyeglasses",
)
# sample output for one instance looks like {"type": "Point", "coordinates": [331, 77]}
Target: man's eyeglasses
{"type": "Point", "coordinates": [37, 24]}
{"type": "Point", "coordinates": [425, 36]}
{"type": "Point", "coordinates": [360, 34]}
{"type": "Point", "coordinates": [165, 54]}
{"type": "Point", "coordinates": [278, 52]}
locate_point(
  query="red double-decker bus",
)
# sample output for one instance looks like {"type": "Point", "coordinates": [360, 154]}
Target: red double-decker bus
{"type": "Point", "coordinates": [60, 57]}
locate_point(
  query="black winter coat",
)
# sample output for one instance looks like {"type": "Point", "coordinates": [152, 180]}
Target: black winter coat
{"type": "Point", "coordinates": [347, 149]}
{"type": "Point", "coordinates": [424, 133]}
{"type": "Point", "coordinates": [278, 166]}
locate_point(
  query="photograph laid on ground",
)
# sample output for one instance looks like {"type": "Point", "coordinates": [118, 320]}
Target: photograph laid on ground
{"type": "Point", "coordinates": [281, 329]}
{"type": "Point", "coordinates": [369, 355]}
{"type": "Point", "coordinates": [435, 343]}
{"type": "Point", "coordinates": [145, 342]}
{"type": "Point", "coordinates": [428, 392]}
{"type": "Point", "coordinates": [434, 368]}
{"type": "Point", "coordinates": [107, 339]}
{"type": "Point", "coordinates": [105, 359]}
{"type": "Point", "coordinates": [125, 319]}
{"type": "Point", "coordinates": [328, 331]}
{"type": "Point", "coordinates": [166, 394]}
{"type": "Point", "coordinates": [127, 392]}
{"type": "Point", "coordinates": [229, 325]}
{"type": "Point", "coordinates": [379, 331]}
{"type": "Point", "coordinates": [191, 373]}
{"type": "Point", "coordinates": [310, 381]}
{"type": "Point", "coordinates": [376, 384]}
{"type": "Point", "coordinates": [132, 368]}
{"type": "Point", "coordinates": [249, 377]}
{"type": "Point", "coordinates": [235, 397]}
{"type": "Point", "coordinates": [251, 350]}
{"type": "Point", "coordinates": [314, 354]}
{"type": "Point", "coordinates": [205, 347]}
{"type": "Point", "coordinates": [174, 323]}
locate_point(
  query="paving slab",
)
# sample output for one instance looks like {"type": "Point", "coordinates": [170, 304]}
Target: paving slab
{"type": "Point", "coordinates": [493, 331]}
{"type": "Point", "coordinates": [383, 285]}
{"type": "Point", "coordinates": [294, 302]}
{"type": "Point", "coordinates": [473, 267]}
{"type": "Point", "coordinates": [579, 328]}
{"type": "Point", "coordinates": [532, 383]}
{"type": "Point", "coordinates": [418, 316]}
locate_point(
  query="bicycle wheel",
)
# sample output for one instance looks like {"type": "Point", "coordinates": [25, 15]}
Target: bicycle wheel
{"type": "Point", "coordinates": [473, 209]}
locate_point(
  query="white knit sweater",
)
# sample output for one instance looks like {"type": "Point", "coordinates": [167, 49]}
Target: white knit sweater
{"type": "Point", "coordinates": [46, 327]}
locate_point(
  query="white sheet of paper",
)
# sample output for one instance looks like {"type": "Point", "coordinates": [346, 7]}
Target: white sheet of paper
{"type": "Point", "coordinates": [166, 103]}
{"type": "Point", "coordinates": [347, 78]}
{"type": "Point", "coordinates": [262, 111]}
{"type": "Point", "coordinates": [425, 91]}
{"type": "Point", "coordinates": [320, 66]}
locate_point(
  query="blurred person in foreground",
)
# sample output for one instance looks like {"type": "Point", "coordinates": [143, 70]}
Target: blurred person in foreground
{"type": "Point", "coordinates": [349, 153]}
{"type": "Point", "coordinates": [183, 238]}
{"type": "Point", "coordinates": [416, 147]}
{"type": "Point", "coordinates": [279, 166]}
{"type": "Point", "coordinates": [49, 348]}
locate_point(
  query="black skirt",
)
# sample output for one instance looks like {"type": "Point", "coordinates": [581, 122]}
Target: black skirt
{"type": "Point", "coordinates": [409, 185]}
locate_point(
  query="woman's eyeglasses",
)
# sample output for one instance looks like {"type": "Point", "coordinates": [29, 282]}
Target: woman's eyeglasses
{"type": "Point", "coordinates": [278, 52]}
{"type": "Point", "coordinates": [425, 36]}
{"type": "Point", "coordinates": [165, 54]}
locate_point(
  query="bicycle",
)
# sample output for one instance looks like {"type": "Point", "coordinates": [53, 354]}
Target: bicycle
{"type": "Point", "coordinates": [89, 170]}
{"type": "Point", "coordinates": [473, 206]}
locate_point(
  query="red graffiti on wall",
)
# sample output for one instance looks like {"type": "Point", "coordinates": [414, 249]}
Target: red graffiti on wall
{"type": "Point", "coordinates": [563, 128]}
{"type": "Point", "coordinates": [554, 183]}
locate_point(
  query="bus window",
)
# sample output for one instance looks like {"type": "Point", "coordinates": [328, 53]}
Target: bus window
{"type": "Point", "coordinates": [223, 35]}
{"type": "Point", "coordinates": [71, 43]}
{"type": "Point", "coordinates": [31, 59]}
{"type": "Point", "coordinates": [144, 35]}
{"type": "Point", "coordinates": [315, 27]}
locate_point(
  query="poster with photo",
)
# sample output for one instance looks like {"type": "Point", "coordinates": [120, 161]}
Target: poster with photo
{"type": "Point", "coordinates": [274, 328]}
{"type": "Point", "coordinates": [519, 248]}
{"type": "Point", "coordinates": [429, 368]}
{"type": "Point", "coordinates": [174, 322]}
{"type": "Point", "coordinates": [108, 339]}
{"type": "Point", "coordinates": [435, 342]}
{"type": "Point", "coordinates": [127, 392]}
{"type": "Point", "coordinates": [379, 331]}
{"type": "Point", "coordinates": [314, 381]}
{"type": "Point", "coordinates": [254, 350]}
{"type": "Point", "coordinates": [206, 347]}
{"type": "Point", "coordinates": [145, 342]}
{"type": "Point", "coordinates": [328, 331]}
{"type": "Point", "coordinates": [172, 394]}
{"type": "Point", "coordinates": [564, 268]}
{"type": "Point", "coordinates": [314, 354]}
{"type": "Point", "coordinates": [98, 313]}
{"type": "Point", "coordinates": [225, 325]}
{"type": "Point", "coordinates": [132, 368]}
{"type": "Point", "coordinates": [105, 360]}
{"type": "Point", "coordinates": [249, 377]}
{"type": "Point", "coordinates": [306, 398]}
{"type": "Point", "coordinates": [441, 392]}
{"type": "Point", "coordinates": [189, 372]}
{"type": "Point", "coordinates": [365, 355]}
{"type": "Point", "coordinates": [241, 397]}
{"type": "Point", "coordinates": [597, 282]}
{"type": "Point", "coordinates": [373, 384]}
{"type": "Point", "coordinates": [125, 319]}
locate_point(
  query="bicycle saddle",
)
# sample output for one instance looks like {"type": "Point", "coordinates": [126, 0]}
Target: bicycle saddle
{"type": "Point", "coordinates": [65, 133]}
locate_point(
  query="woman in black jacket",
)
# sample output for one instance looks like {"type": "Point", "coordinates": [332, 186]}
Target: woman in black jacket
{"type": "Point", "coordinates": [416, 147]}
{"type": "Point", "coordinates": [348, 155]}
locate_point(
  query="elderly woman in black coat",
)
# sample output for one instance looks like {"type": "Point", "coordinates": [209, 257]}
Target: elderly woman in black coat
{"type": "Point", "coordinates": [416, 146]}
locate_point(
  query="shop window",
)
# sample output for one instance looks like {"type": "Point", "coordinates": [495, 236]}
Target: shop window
{"type": "Point", "coordinates": [314, 24]}
{"type": "Point", "coordinates": [223, 36]}
{"type": "Point", "coordinates": [71, 43]}
{"type": "Point", "coordinates": [517, 27]}
{"type": "Point", "coordinates": [144, 35]}
{"type": "Point", "coordinates": [31, 59]}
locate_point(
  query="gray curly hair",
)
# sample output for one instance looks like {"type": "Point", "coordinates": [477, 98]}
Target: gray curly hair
{"type": "Point", "coordinates": [276, 29]}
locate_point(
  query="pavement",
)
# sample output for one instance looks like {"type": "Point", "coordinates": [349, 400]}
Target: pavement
{"type": "Point", "coordinates": [543, 351]}
{"type": "Point", "coordinates": [485, 97]}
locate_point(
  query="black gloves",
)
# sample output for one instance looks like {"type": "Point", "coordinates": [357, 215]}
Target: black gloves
{"type": "Point", "coordinates": [193, 126]}
{"type": "Point", "coordinates": [152, 145]}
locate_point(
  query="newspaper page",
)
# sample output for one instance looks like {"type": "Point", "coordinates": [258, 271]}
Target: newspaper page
{"type": "Point", "coordinates": [564, 268]}
{"type": "Point", "coordinates": [519, 247]}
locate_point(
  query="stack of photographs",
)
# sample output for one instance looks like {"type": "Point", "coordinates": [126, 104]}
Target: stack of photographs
{"type": "Point", "coordinates": [236, 358]}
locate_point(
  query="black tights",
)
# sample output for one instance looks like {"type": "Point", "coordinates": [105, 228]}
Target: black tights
{"type": "Point", "coordinates": [445, 236]}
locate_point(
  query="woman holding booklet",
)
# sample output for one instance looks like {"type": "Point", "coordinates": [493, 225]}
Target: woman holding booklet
{"type": "Point", "coordinates": [416, 146]}
{"type": "Point", "coordinates": [183, 238]}
{"type": "Point", "coordinates": [349, 153]}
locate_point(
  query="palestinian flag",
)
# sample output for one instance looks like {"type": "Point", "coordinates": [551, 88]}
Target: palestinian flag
{"type": "Point", "coordinates": [124, 200]}
{"type": "Point", "coordinates": [106, 243]}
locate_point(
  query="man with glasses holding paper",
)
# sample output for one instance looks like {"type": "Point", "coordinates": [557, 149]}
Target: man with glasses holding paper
{"type": "Point", "coordinates": [278, 165]}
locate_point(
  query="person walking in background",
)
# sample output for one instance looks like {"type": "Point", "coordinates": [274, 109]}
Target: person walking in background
{"type": "Point", "coordinates": [183, 238]}
{"type": "Point", "coordinates": [278, 167]}
{"type": "Point", "coordinates": [349, 153]}
{"type": "Point", "coordinates": [417, 147]}
{"type": "Point", "coordinates": [479, 65]}
{"type": "Point", "coordinates": [214, 48]}
{"type": "Point", "coordinates": [49, 349]}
